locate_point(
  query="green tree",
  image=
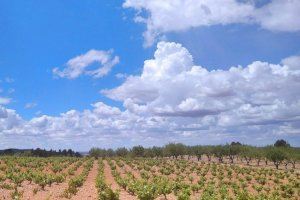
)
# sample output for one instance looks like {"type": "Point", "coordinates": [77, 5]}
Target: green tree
{"type": "Point", "coordinates": [138, 151]}
{"type": "Point", "coordinates": [208, 151]}
{"type": "Point", "coordinates": [276, 155]}
{"type": "Point", "coordinates": [258, 154]}
{"type": "Point", "coordinates": [247, 152]}
{"type": "Point", "coordinates": [232, 151]}
{"type": "Point", "coordinates": [281, 143]}
{"type": "Point", "coordinates": [198, 151]}
{"type": "Point", "coordinates": [157, 151]}
{"type": "Point", "coordinates": [174, 149]}
{"type": "Point", "coordinates": [121, 152]}
{"type": "Point", "coordinates": [219, 151]}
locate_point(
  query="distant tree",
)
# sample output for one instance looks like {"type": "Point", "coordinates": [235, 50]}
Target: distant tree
{"type": "Point", "coordinates": [110, 153]}
{"type": "Point", "coordinates": [138, 151]}
{"type": "Point", "coordinates": [198, 151]}
{"type": "Point", "coordinates": [235, 143]}
{"type": "Point", "coordinates": [121, 152]}
{"type": "Point", "coordinates": [258, 154]}
{"type": "Point", "coordinates": [149, 153]}
{"type": "Point", "coordinates": [97, 152]}
{"type": "Point", "coordinates": [64, 152]}
{"type": "Point", "coordinates": [292, 156]}
{"type": "Point", "coordinates": [174, 149]}
{"type": "Point", "coordinates": [281, 143]}
{"type": "Point", "coordinates": [157, 151]}
{"type": "Point", "coordinates": [247, 153]}
{"type": "Point", "coordinates": [219, 151]}
{"type": "Point", "coordinates": [77, 154]}
{"type": "Point", "coordinates": [208, 151]}
{"type": "Point", "coordinates": [70, 152]}
{"type": "Point", "coordinates": [276, 155]}
{"type": "Point", "coordinates": [189, 151]}
{"type": "Point", "coordinates": [232, 151]}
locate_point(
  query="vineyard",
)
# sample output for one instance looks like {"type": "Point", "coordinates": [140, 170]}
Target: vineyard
{"type": "Point", "coordinates": [115, 177]}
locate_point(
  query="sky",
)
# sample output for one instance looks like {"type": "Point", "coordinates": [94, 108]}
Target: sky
{"type": "Point", "coordinates": [79, 74]}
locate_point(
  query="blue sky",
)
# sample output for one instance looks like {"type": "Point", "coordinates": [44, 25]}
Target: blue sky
{"type": "Point", "coordinates": [36, 37]}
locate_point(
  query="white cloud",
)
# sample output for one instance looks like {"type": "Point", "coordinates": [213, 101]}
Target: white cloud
{"type": "Point", "coordinates": [280, 15]}
{"type": "Point", "coordinates": [292, 62]}
{"type": "Point", "coordinates": [175, 100]}
{"type": "Point", "coordinates": [171, 85]}
{"type": "Point", "coordinates": [121, 75]}
{"type": "Point", "coordinates": [30, 105]}
{"type": "Point", "coordinates": [9, 121]}
{"type": "Point", "coordinates": [104, 61]}
{"type": "Point", "coordinates": [4, 100]}
{"type": "Point", "coordinates": [180, 15]}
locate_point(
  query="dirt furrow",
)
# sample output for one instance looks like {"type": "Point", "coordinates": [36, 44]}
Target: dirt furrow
{"type": "Point", "coordinates": [88, 191]}
{"type": "Point", "coordinates": [53, 192]}
{"type": "Point", "coordinates": [111, 181]}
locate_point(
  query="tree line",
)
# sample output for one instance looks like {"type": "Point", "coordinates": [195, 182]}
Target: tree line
{"type": "Point", "coordinates": [279, 153]}
{"type": "Point", "coordinates": [39, 152]}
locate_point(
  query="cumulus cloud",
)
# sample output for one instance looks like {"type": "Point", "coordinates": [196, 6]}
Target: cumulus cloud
{"type": "Point", "coordinates": [4, 100]}
{"type": "Point", "coordinates": [171, 85]}
{"type": "Point", "coordinates": [179, 15]}
{"type": "Point", "coordinates": [279, 15]}
{"type": "Point", "coordinates": [83, 64]}
{"type": "Point", "coordinates": [10, 121]}
{"type": "Point", "coordinates": [175, 100]}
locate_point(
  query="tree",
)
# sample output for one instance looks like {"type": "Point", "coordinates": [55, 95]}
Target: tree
{"type": "Point", "coordinates": [110, 153]}
{"type": "Point", "coordinates": [157, 151]}
{"type": "Point", "coordinates": [281, 143]}
{"type": "Point", "coordinates": [198, 151]}
{"type": "Point", "coordinates": [122, 152]}
{"type": "Point", "coordinates": [208, 151]}
{"type": "Point", "coordinates": [189, 151]}
{"type": "Point", "coordinates": [258, 154]}
{"type": "Point", "coordinates": [149, 153]}
{"type": "Point", "coordinates": [138, 151]}
{"type": "Point", "coordinates": [97, 152]}
{"type": "Point", "coordinates": [232, 151]}
{"type": "Point", "coordinates": [235, 143]}
{"type": "Point", "coordinates": [276, 155]}
{"type": "Point", "coordinates": [219, 151]}
{"type": "Point", "coordinates": [174, 149]}
{"type": "Point", "coordinates": [247, 152]}
{"type": "Point", "coordinates": [292, 156]}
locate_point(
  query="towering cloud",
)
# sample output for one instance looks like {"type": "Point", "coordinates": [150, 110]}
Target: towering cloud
{"type": "Point", "coordinates": [175, 100]}
{"type": "Point", "coordinates": [171, 85]}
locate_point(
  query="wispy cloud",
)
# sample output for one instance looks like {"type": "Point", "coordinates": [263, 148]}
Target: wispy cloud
{"type": "Point", "coordinates": [30, 105]}
{"type": "Point", "coordinates": [75, 67]}
{"type": "Point", "coordinates": [5, 100]}
{"type": "Point", "coordinates": [9, 80]}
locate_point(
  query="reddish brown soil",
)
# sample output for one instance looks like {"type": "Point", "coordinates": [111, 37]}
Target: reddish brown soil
{"type": "Point", "coordinates": [88, 191]}
{"type": "Point", "coordinates": [111, 181]}
{"type": "Point", "coordinates": [52, 193]}
{"type": "Point", "coordinates": [4, 194]}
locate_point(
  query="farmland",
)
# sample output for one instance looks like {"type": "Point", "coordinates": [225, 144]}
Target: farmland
{"type": "Point", "coordinates": [107, 175]}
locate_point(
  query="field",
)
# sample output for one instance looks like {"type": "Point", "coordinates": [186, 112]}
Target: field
{"type": "Point", "coordinates": [144, 178]}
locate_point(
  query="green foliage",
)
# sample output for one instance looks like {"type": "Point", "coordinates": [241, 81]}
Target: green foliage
{"type": "Point", "coordinates": [277, 155]}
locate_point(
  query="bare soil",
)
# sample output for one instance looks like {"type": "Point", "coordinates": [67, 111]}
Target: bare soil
{"type": "Point", "coordinates": [111, 181]}
{"type": "Point", "coordinates": [88, 191]}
